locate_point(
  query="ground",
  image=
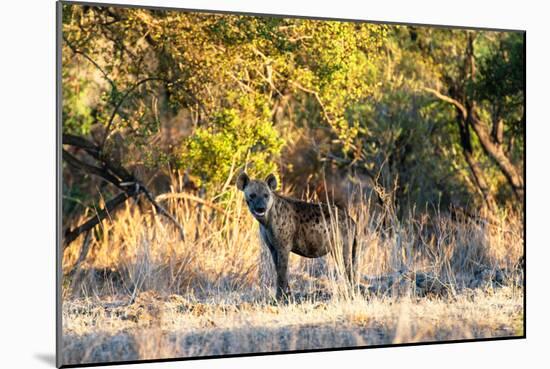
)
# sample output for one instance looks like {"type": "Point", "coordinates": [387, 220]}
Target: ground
{"type": "Point", "coordinates": [175, 326]}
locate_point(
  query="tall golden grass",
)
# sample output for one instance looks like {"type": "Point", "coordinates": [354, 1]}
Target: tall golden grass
{"type": "Point", "coordinates": [222, 250]}
{"type": "Point", "coordinates": [144, 293]}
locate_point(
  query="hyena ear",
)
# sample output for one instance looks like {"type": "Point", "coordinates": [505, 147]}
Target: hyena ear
{"type": "Point", "coordinates": [242, 181]}
{"type": "Point", "coordinates": [271, 182]}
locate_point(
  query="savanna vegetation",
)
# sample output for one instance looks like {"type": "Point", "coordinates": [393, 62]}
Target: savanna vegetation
{"type": "Point", "coordinates": [418, 131]}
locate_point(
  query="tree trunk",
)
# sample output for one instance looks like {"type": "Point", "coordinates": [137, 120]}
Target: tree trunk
{"type": "Point", "coordinates": [495, 151]}
{"type": "Point", "coordinates": [477, 172]}
{"type": "Point", "coordinates": [491, 141]}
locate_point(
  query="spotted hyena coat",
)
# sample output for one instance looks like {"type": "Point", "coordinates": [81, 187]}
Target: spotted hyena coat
{"type": "Point", "coordinates": [304, 228]}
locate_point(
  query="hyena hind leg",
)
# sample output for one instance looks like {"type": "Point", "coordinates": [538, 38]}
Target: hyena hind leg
{"type": "Point", "coordinates": [351, 259]}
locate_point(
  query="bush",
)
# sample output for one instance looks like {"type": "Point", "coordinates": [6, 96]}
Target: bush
{"type": "Point", "coordinates": [234, 139]}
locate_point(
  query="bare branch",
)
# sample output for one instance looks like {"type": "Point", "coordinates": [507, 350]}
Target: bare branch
{"type": "Point", "coordinates": [512, 174]}
{"type": "Point", "coordinates": [73, 161]}
{"type": "Point", "coordinates": [317, 97]}
{"type": "Point", "coordinates": [186, 196]}
{"type": "Point", "coordinates": [448, 99]}
{"type": "Point", "coordinates": [121, 101]}
{"type": "Point", "coordinates": [163, 211]}
{"type": "Point", "coordinates": [111, 205]}
{"type": "Point", "coordinates": [114, 174]}
{"type": "Point", "coordinates": [94, 151]}
{"type": "Point", "coordinates": [84, 249]}
{"type": "Point", "coordinates": [80, 142]}
{"type": "Point", "coordinates": [95, 64]}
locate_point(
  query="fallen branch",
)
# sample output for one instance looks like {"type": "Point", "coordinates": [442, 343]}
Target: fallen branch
{"type": "Point", "coordinates": [78, 164]}
{"type": "Point", "coordinates": [111, 205]}
{"type": "Point", "coordinates": [83, 253]}
{"type": "Point", "coordinates": [114, 174]}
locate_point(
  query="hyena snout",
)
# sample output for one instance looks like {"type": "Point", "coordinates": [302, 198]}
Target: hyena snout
{"type": "Point", "coordinates": [259, 210]}
{"type": "Point", "coordinates": [259, 200]}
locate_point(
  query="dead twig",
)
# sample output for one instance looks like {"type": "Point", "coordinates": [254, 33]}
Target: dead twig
{"type": "Point", "coordinates": [186, 196]}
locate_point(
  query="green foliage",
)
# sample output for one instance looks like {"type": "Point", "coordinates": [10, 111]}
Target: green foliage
{"type": "Point", "coordinates": [338, 62]}
{"type": "Point", "coordinates": [77, 111]}
{"type": "Point", "coordinates": [502, 69]}
{"type": "Point", "coordinates": [243, 138]}
{"type": "Point", "coordinates": [231, 92]}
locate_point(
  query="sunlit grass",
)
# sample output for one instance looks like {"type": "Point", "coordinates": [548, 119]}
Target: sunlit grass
{"type": "Point", "coordinates": [143, 293]}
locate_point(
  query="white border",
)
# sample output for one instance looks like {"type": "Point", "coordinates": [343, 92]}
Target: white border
{"type": "Point", "coordinates": [27, 183]}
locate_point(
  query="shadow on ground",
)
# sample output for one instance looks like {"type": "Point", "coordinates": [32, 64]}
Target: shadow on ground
{"type": "Point", "coordinates": [46, 358]}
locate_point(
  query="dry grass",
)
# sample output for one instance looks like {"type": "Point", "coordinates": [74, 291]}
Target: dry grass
{"type": "Point", "coordinates": [144, 294]}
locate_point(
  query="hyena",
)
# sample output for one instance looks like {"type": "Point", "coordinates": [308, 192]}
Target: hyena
{"type": "Point", "coordinates": [304, 228]}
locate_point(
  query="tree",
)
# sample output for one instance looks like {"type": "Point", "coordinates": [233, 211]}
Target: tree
{"type": "Point", "coordinates": [436, 114]}
{"type": "Point", "coordinates": [494, 91]}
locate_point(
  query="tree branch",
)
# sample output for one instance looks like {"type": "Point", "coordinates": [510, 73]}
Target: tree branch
{"type": "Point", "coordinates": [121, 101]}
{"type": "Point", "coordinates": [93, 150]}
{"type": "Point", "coordinates": [87, 57]}
{"type": "Point", "coordinates": [163, 211]}
{"type": "Point", "coordinates": [317, 97]}
{"type": "Point", "coordinates": [73, 161]}
{"type": "Point", "coordinates": [186, 196]}
{"type": "Point", "coordinates": [448, 99]}
{"type": "Point", "coordinates": [497, 154]}
{"type": "Point", "coordinates": [111, 205]}
{"type": "Point", "coordinates": [114, 174]}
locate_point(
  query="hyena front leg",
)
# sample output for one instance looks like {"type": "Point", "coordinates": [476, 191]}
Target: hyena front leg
{"type": "Point", "coordinates": [281, 266]}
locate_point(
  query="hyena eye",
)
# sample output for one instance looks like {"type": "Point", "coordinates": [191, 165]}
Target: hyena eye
{"type": "Point", "coordinates": [265, 196]}
{"type": "Point", "coordinates": [252, 196]}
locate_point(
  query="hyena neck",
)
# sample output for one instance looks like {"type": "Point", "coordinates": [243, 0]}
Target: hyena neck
{"type": "Point", "coordinates": [273, 213]}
